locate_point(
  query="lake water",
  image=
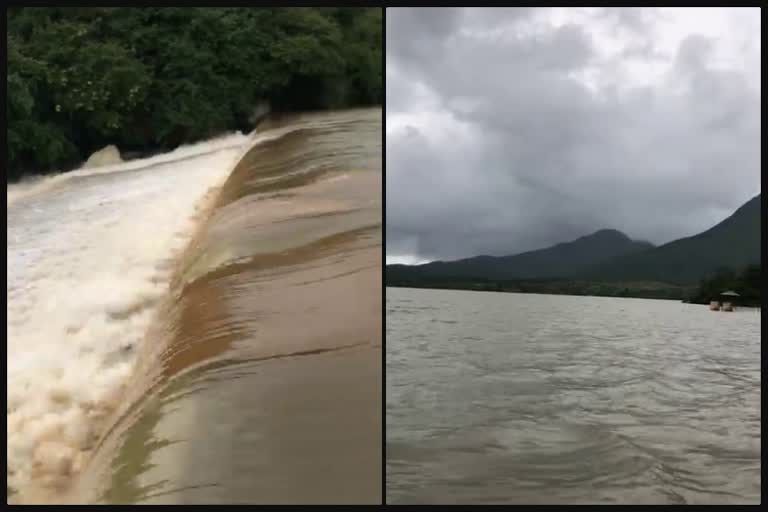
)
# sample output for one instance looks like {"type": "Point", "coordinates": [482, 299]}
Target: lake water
{"type": "Point", "coordinates": [516, 398]}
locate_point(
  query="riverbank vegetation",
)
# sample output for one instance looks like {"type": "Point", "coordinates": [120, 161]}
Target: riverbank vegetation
{"type": "Point", "coordinates": [149, 79]}
{"type": "Point", "coordinates": [745, 282]}
{"type": "Point", "coordinates": [638, 289]}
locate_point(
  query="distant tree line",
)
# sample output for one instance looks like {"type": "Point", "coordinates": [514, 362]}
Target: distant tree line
{"type": "Point", "coordinates": [151, 78]}
{"type": "Point", "coordinates": [745, 282]}
{"type": "Point", "coordinates": [555, 286]}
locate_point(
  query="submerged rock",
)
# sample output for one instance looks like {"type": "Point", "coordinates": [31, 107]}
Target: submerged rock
{"type": "Point", "coordinates": [262, 109]}
{"type": "Point", "coordinates": [107, 156]}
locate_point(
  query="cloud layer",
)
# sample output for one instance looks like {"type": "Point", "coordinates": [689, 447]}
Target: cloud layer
{"type": "Point", "coordinates": [513, 129]}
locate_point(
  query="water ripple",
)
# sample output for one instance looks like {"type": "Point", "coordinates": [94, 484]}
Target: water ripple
{"type": "Point", "coordinates": [506, 398]}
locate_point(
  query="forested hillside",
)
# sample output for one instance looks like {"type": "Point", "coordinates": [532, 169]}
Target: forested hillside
{"type": "Point", "coordinates": [733, 243]}
{"type": "Point", "coordinates": [149, 79]}
{"type": "Point", "coordinates": [560, 260]}
{"type": "Point", "coordinates": [726, 256]}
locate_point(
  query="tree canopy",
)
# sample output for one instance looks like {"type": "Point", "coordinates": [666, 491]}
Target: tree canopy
{"type": "Point", "coordinates": [745, 282]}
{"type": "Point", "coordinates": [149, 79]}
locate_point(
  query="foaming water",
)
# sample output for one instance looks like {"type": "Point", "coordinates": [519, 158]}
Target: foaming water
{"type": "Point", "coordinates": [261, 379]}
{"type": "Point", "coordinates": [34, 185]}
{"type": "Point", "coordinates": [90, 255]}
{"type": "Point", "coordinates": [510, 398]}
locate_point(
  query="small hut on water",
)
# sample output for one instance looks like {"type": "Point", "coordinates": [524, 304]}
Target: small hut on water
{"type": "Point", "coordinates": [726, 302]}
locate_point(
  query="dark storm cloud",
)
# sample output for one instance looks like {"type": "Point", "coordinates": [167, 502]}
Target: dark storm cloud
{"type": "Point", "coordinates": [495, 144]}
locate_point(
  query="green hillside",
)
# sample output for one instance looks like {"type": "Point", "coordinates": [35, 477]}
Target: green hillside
{"type": "Point", "coordinates": [610, 263]}
{"type": "Point", "coordinates": [560, 260]}
{"type": "Point", "coordinates": [733, 243]}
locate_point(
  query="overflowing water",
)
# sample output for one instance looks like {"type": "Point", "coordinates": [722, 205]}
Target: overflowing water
{"type": "Point", "coordinates": [89, 256]}
{"type": "Point", "coordinates": [510, 398]}
{"type": "Point", "coordinates": [133, 288]}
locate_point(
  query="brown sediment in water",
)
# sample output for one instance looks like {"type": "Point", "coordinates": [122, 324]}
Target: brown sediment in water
{"type": "Point", "coordinates": [58, 484]}
{"type": "Point", "coordinates": [262, 378]}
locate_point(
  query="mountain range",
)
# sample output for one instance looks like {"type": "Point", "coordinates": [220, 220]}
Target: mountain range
{"type": "Point", "coordinates": [610, 255]}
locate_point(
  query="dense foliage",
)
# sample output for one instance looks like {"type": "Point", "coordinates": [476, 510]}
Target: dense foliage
{"type": "Point", "coordinates": [148, 79]}
{"type": "Point", "coordinates": [746, 283]}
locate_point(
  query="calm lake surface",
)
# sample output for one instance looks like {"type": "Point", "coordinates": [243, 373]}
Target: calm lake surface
{"type": "Point", "coordinates": [517, 398]}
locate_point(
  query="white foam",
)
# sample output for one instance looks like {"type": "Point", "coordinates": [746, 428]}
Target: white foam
{"type": "Point", "coordinates": [88, 259]}
{"type": "Point", "coordinates": [37, 184]}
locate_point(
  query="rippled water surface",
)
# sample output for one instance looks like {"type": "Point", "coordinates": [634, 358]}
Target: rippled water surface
{"type": "Point", "coordinates": [512, 398]}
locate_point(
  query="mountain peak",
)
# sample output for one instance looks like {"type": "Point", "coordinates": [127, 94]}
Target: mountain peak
{"type": "Point", "coordinates": [752, 203]}
{"type": "Point", "coordinates": [608, 234]}
{"type": "Point", "coordinates": [733, 243]}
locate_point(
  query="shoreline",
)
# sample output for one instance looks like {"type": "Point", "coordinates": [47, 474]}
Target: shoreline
{"type": "Point", "coordinates": [541, 292]}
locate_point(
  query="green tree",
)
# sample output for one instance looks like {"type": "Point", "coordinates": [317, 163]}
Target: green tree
{"type": "Point", "coordinates": [152, 78]}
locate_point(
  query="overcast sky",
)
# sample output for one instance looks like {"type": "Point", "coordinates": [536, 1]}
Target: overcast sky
{"type": "Point", "coordinates": [511, 129]}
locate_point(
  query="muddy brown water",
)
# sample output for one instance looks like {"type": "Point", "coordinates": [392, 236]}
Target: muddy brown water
{"type": "Point", "coordinates": [506, 398]}
{"type": "Point", "coordinates": [260, 381]}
